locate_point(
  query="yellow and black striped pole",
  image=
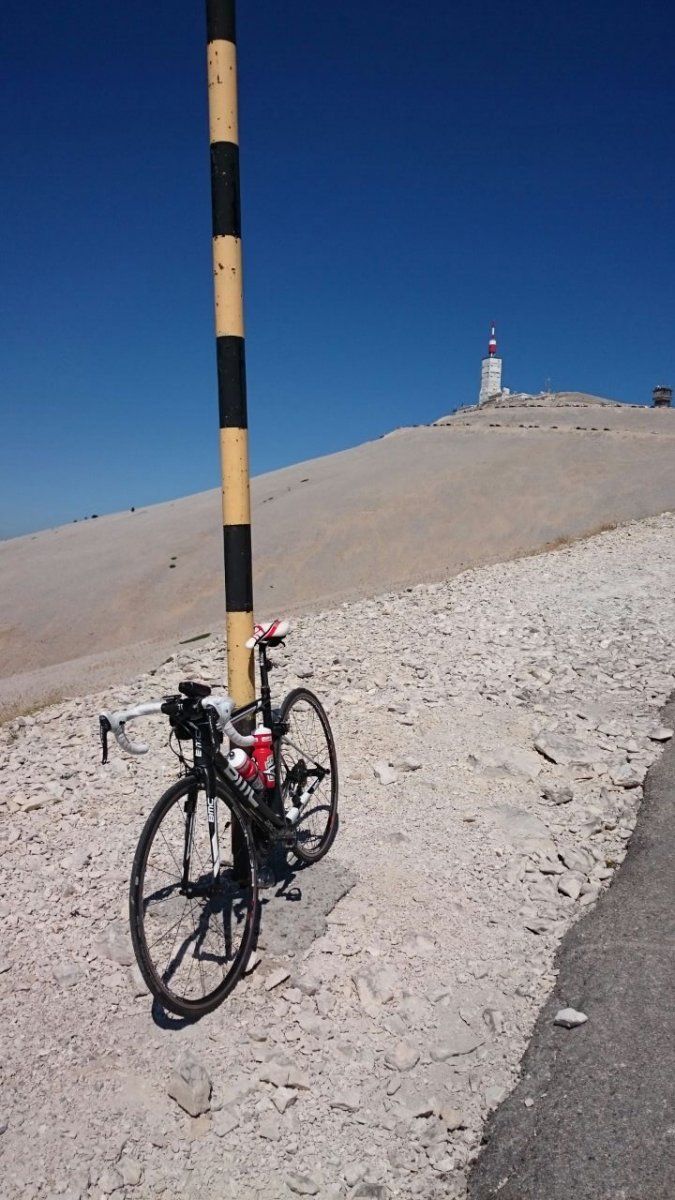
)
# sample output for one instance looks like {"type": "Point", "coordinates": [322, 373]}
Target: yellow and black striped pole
{"type": "Point", "coordinates": [227, 281]}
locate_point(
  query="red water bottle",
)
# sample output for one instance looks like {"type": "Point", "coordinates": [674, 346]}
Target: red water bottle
{"type": "Point", "coordinates": [263, 753]}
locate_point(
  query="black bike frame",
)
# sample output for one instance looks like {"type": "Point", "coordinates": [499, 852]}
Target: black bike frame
{"type": "Point", "coordinates": [210, 767]}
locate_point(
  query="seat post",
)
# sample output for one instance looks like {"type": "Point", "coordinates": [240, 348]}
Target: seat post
{"type": "Point", "coordinates": [265, 693]}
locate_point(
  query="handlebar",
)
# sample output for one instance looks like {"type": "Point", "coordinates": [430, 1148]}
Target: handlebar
{"type": "Point", "coordinates": [224, 706]}
{"type": "Point", "coordinates": [115, 722]}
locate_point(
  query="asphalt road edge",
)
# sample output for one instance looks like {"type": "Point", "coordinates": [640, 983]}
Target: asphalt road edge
{"type": "Point", "coordinates": [600, 1117]}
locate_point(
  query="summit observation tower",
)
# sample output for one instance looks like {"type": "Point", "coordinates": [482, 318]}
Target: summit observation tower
{"type": "Point", "coordinates": [491, 371]}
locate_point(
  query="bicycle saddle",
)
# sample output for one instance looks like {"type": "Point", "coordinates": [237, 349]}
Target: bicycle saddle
{"type": "Point", "coordinates": [194, 690]}
{"type": "Point", "coordinates": [271, 633]}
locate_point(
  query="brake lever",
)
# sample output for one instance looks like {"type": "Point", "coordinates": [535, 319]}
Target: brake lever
{"type": "Point", "coordinates": [104, 728]}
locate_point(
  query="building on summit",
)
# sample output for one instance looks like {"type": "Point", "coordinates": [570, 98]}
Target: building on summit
{"type": "Point", "coordinates": [662, 397]}
{"type": "Point", "coordinates": [491, 372]}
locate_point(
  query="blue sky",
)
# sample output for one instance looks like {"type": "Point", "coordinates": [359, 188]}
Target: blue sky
{"type": "Point", "coordinates": [409, 172]}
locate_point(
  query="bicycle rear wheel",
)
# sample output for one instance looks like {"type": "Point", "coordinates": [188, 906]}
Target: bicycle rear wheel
{"type": "Point", "coordinates": [191, 934]}
{"type": "Point", "coordinates": [308, 774]}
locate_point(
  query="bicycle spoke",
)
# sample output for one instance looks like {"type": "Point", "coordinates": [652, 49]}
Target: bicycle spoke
{"type": "Point", "coordinates": [170, 850]}
{"type": "Point", "coordinates": [197, 948]}
{"type": "Point", "coordinates": [304, 754]}
{"type": "Point", "coordinates": [307, 765]}
{"type": "Point", "coordinates": [164, 936]}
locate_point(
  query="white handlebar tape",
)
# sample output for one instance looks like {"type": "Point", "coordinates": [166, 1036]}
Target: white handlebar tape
{"type": "Point", "coordinates": [243, 741]}
{"type": "Point", "coordinates": [126, 743]}
{"type": "Point", "coordinates": [119, 719]}
{"type": "Point", "coordinates": [223, 706]}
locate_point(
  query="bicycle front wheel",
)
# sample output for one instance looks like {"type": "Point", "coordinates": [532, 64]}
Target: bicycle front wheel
{"type": "Point", "coordinates": [192, 934]}
{"type": "Point", "coordinates": [308, 774]}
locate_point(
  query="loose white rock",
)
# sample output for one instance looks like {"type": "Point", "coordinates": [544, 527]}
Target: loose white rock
{"type": "Point", "coordinates": [384, 773]}
{"type": "Point", "coordinates": [347, 1101]}
{"type": "Point", "coordinates": [303, 1185]}
{"type": "Point", "coordinates": [569, 1018]}
{"type": "Point", "coordinates": [627, 776]}
{"type": "Point", "coordinates": [354, 1172]}
{"type": "Point", "coordinates": [130, 1170]}
{"type": "Point", "coordinates": [453, 1118]}
{"type": "Point", "coordinates": [570, 885]}
{"type": "Point", "coordinates": [274, 1073]}
{"type": "Point", "coordinates": [283, 1097]}
{"type": "Point", "coordinates": [67, 974]}
{"type": "Point", "coordinates": [276, 977]}
{"type": "Point", "coordinates": [565, 749]}
{"type": "Point", "coordinates": [557, 793]}
{"type": "Point", "coordinates": [224, 1122]}
{"type": "Point", "coordinates": [190, 1086]}
{"type": "Point", "coordinates": [109, 1181]}
{"type": "Point", "coordinates": [407, 763]}
{"type": "Point", "coordinates": [506, 762]}
{"type": "Point", "coordinates": [402, 1057]}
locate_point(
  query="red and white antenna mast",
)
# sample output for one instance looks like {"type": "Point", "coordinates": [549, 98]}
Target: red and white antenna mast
{"type": "Point", "coordinates": [491, 371]}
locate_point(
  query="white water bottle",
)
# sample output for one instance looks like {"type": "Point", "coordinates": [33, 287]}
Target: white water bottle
{"type": "Point", "coordinates": [247, 768]}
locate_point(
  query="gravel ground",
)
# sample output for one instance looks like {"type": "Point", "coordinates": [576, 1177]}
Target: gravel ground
{"type": "Point", "coordinates": [493, 734]}
{"type": "Point", "coordinates": [616, 966]}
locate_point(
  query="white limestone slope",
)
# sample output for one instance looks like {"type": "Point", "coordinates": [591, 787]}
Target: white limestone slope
{"type": "Point", "coordinates": [94, 602]}
{"type": "Point", "coordinates": [405, 1021]}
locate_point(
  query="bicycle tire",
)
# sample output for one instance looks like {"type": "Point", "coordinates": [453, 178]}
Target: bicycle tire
{"type": "Point", "coordinates": [182, 1005]}
{"type": "Point", "coordinates": [309, 850]}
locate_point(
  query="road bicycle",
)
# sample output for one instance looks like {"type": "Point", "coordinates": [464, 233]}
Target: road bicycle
{"type": "Point", "coordinates": [193, 900]}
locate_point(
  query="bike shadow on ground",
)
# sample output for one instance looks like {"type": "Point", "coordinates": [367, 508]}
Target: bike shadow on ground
{"type": "Point", "coordinates": [286, 888]}
{"type": "Point", "coordinates": [167, 1020]}
{"type": "Point", "coordinates": [288, 883]}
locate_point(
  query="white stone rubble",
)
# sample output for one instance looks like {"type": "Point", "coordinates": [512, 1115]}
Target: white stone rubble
{"type": "Point", "coordinates": [569, 1018]}
{"type": "Point", "coordinates": [517, 709]}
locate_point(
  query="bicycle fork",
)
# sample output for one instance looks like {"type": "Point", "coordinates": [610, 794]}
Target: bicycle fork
{"type": "Point", "coordinates": [212, 815]}
{"type": "Point", "coordinates": [209, 783]}
{"type": "Point", "coordinates": [190, 807]}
